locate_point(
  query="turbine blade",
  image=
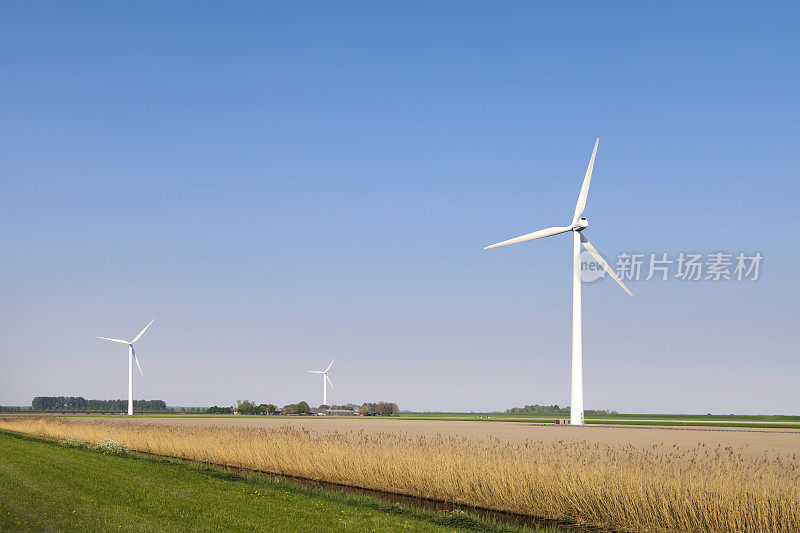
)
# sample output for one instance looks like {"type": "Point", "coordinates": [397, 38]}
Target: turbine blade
{"type": "Point", "coordinates": [585, 187]}
{"type": "Point", "coordinates": [139, 336]}
{"type": "Point", "coordinates": [329, 380]}
{"type": "Point", "coordinates": [113, 340]}
{"type": "Point", "coordinates": [137, 361]}
{"type": "Point", "coordinates": [330, 365]}
{"type": "Point", "coordinates": [316, 371]}
{"type": "Point", "coordinates": [531, 236]}
{"type": "Point", "coordinates": [599, 258]}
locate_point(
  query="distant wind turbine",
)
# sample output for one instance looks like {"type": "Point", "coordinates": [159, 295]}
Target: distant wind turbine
{"type": "Point", "coordinates": [576, 227]}
{"type": "Point", "coordinates": [325, 381]}
{"type": "Point", "coordinates": [131, 359]}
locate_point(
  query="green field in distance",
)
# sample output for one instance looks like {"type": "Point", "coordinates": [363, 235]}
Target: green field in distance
{"type": "Point", "coordinates": [723, 421]}
{"type": "Point", "coordinates": [756, 421]}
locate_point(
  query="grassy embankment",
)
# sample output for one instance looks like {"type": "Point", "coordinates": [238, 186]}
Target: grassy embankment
{"type": "Point", "coordinates": [663, 488]}
{"type": "Point", "coordinates": [50, 486]}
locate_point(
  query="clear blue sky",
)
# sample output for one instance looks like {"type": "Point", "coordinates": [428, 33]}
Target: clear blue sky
{"type": "Point", "coordinates": [281, 184]}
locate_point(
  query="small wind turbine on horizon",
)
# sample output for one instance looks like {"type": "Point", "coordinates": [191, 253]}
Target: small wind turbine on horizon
{"type": "Point", "coordinates": [576, 227]}
{"type": "Point", "coordinates": [325, 381]}
{"type": "Point", "coordinates": [131, 359]}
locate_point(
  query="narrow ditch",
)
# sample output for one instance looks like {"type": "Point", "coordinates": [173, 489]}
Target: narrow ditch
{"type": "Point", "coordinates": [439, 506]}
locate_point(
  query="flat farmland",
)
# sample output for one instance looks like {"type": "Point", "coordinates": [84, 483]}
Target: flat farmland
{"type": "Point", "coordinates": [636, 478]}
{"type": "Point", "coordinates": [752, 442]}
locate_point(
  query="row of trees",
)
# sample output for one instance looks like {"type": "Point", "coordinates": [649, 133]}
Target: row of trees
{"type": "Point", "coordinates": [79, 403]}
{"type": "Point", "coordinates": [248, 407]}
{"type": "Point", "coordinates": [555, 410]}
{"type": "Point", "coordinates": [13, 409]}
{"type": "Point", "coordinates": [367, 409]}
{"type": "Point", "coordinates": [539, 409]}
{"type": "Point", "coordinates": [345, 407]}
{"type": "Point", "coordinates": [298, 408]}
{"type": "Point", "coordinates": [380, 409]}
{"type": "Point", "coordinates": [216, 410]}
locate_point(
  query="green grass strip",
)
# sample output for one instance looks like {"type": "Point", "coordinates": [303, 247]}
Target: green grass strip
{"type": "Point", "coordinates": [45, 485]}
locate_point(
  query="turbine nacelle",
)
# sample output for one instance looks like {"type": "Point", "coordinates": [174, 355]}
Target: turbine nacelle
{"type": "Point", "coordinates": [581, 224]}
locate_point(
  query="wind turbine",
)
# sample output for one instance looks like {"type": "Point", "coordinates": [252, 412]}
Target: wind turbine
{"type": "Point", "coordinates": [131, 359]}
{"type": "Point", "coordinates": [576, 227]}
{"type": "Point", "coordinates": [325, 381]}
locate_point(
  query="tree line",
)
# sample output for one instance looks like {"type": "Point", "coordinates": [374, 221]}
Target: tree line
{"type": "Point", "coordinates": [380, 409]}
{"type": "Point", "coordinates": [248, 407]}
{"type": "Point", "coordinates": [554, 410]}
{"type": "Point", "coordinates": [12, 409]}
{"type": "Point", "coordinates": [79, 403]}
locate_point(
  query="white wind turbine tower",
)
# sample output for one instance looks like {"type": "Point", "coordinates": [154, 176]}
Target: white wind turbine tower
{"type": "Point", "coordinates": [576, 227]}
{"type": "Point", "coordinates": [325, 381]}
{"type": "Point", "coordinates": [131, 359]}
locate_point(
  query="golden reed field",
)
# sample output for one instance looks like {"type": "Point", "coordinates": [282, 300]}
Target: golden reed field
{"type": "Point", "coordinates": [661, 488]}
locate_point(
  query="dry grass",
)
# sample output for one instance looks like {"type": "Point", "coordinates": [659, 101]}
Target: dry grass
{"type": "Point", "coordinates": [624, 487]}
